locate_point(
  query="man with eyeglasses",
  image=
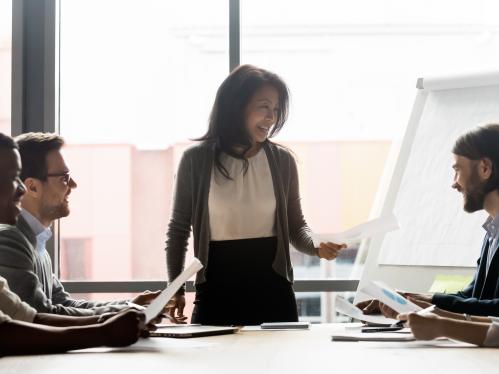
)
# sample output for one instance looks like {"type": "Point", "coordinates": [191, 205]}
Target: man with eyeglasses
{"type": "Point", "coordinates": [48, 186]}
{"type": "Point", "coordinates": [22, 329]}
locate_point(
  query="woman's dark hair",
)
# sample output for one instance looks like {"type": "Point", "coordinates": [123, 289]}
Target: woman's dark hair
{"type": "Point", "coordinates": [227, 127]}
{"type": "Point", "coordinates": [481, 142]}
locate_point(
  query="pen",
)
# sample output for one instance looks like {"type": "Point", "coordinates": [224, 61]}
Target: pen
{"type": "Point", "coordinates": [382, 329]}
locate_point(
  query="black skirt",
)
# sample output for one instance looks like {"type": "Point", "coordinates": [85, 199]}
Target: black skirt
{"type": "Point", "coordinates": [241, 287]}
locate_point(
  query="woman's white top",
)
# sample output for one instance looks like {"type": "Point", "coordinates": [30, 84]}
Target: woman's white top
{"type": "Point", "coordinates": [244, 207]}
{"type": "Point", "coordinates": [492, 338]}
{"type": "Point", "coordinates": [11, 307]}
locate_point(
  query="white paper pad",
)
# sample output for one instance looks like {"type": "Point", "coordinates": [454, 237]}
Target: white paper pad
{"type": "Point", "coordinates": [156, 307]}
{"type": "Point", "coordinates": [390, 297]}
{"type": "Point", "coordinates": [351, 310]}
{"type": "Point", "coordinates": [365, 230]}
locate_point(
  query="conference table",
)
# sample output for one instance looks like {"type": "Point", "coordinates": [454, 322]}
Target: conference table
{"type": "Point", "coordinates": [306, 351]}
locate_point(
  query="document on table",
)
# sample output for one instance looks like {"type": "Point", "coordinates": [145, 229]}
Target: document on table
{"type": "Point", "coordinates": [388, 296]}
{"type": "Point", "coordinates": [351, 310]}
{"type": "Point", "coordinates": [156, 307]}
{"type": "Point", "coordinates": [365, 230]}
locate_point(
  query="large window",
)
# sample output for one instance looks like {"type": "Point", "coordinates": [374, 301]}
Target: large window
{"type": "Point", "coordinates": [5, 65]}
{"type": "Point", "coordinates": [138, 77]}
{"type": "Point", "coordinates": [135, 87]}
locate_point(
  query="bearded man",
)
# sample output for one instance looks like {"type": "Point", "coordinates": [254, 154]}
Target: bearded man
{"type": "Point", "coordinates": [476, 177]}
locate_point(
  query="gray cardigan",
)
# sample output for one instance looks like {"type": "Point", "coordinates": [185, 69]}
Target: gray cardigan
{"type": "Point", "coordinates": [190, 209]}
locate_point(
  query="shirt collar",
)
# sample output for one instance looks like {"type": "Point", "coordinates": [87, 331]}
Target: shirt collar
{"type": "Point", "coordinates": [491, 225]}
{"type": "Point", "coordinates": [41, 232]}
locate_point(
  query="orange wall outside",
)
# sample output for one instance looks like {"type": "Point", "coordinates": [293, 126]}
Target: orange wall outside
{"type": "Point", "coordinates": [123, 199]}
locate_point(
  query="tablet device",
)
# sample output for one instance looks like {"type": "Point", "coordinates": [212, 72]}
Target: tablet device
{"type": "Point", "coordinates": [179, 331]}
{"type": "Point", "coordinates": [285, 326]}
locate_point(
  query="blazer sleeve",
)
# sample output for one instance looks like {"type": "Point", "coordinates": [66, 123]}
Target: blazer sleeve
{"type": "Point", "coordinates": [470, 305]}
{"type": "Point", "coordinates": [179, 227]}
{"type": "Point", "coordinates": [17, 267]}
{"type": "Point", "coordinates": [299, 232]}
{"type": "Point", "coordinates": [463, 302]}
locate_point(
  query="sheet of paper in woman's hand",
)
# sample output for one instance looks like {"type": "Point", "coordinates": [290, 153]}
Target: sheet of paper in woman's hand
{"type": "Point", "coordinates": [365, 230]}
{"type": "Point", "coordinates": [158, 304]}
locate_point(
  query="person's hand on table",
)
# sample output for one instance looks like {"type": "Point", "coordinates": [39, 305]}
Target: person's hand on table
{"type": "Point", "coordinates": [145, 297]}
{"type": "Point", "coordinates": [151, 326]}
{"type": "Point", "coordinates": [175, 309]}
{"type": "Point", "coordinates": [419, 297]}
{"type": "Point", "coordinates": [387, 311]}
{"type": "Point", "coordinates": [124, 328]}
{"type": "Point", "coordinates": [329, 251]}
{"type": "Point", "coordinates": [369, 307]}
{"type": "Point", "coordinates": [423, 327]}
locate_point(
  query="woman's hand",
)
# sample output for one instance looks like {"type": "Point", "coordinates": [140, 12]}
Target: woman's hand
{"type": "Point", "coordinates": [329, 251]}
{"type": "Point", "coordinates": [176, 304]}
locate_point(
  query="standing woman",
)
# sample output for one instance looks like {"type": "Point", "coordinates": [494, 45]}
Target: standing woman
{"type": "Point", "coordinates": [239, 192]}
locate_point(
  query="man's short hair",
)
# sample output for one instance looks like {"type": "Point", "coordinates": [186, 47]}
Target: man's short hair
{"type": "Point", "coordinates": [6, 142]}
{"type": "Point", "coordinates": [481, 142]}
{"type": "Point", "coordinates": [34, 147]}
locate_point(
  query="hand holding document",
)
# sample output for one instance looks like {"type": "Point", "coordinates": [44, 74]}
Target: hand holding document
{"type": "Point", "coordinates": [157, 306]}
{"type": "Point", "coordinates": [365, 230]}
{"type": "Point", "coordinates": [351, 310]}
{"type": "Point", "coordinates": [388, 296]}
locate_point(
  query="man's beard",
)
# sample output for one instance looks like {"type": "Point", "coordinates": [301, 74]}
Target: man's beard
{"type": "Point", "coordinates": [56, 211]}
{"type": "Point", "coordinates": [474, 196]}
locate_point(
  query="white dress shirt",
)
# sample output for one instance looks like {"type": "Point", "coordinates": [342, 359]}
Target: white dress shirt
{"type": "Point", "coordinates": [43, 234]}
{"type": "Point", "coordinates": [492, 338]}
{"type": "Point", "coordinates": [492, 228]}
{"type": "Point", "coordinates": [244, 207]}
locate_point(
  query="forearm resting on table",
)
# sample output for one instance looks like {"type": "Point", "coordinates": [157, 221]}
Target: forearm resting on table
{"type": "Point", "coordinates": [460, 316]}
{"type": "Point", "coordinates": [26, 338]}
{"type": "Point", "coordinates": [61, 321]}
{"type": "Point", "coordinates": [466, 331]}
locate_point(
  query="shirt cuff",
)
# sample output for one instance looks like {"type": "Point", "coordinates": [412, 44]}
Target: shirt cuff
{"type": "Point", "coordinates": [492, 338]}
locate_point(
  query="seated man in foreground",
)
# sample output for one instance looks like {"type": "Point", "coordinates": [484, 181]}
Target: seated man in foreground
{"type": "Point", "coordinates": [24, 260]}
{"type": "Point", "coordinates": [21, 327]}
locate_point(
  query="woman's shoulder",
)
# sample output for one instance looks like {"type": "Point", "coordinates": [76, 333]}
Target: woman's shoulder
{"type": "Point", "coordinates": [281, 151]}
{"type": "Point", "coordinates": [199, 150]}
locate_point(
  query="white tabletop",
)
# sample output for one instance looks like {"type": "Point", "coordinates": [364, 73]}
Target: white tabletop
{"type": "Point", "coordinates": [310, 351]}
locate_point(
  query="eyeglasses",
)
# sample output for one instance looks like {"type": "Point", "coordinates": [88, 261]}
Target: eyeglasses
{"type": "Point", "coordinates": [65, 176]}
